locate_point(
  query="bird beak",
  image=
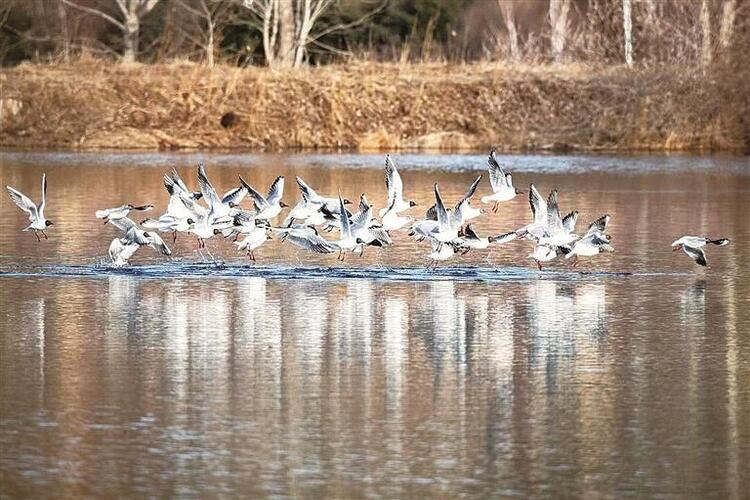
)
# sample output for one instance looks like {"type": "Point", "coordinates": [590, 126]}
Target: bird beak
{"type": "Point", "coordinates": [677, 247]}
{"type": "Point", "coordinates": [282, 204]}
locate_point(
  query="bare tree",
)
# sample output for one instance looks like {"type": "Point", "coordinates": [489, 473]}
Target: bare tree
{"type": "Point", "coordinates": [212, 14]}
{"type": "Point", "coordinates": [627, 24]}
{"type": "Point", "coordinates": [507, 9]}
{"type": "Point", "coordinates": [131, 12]}
{"type": "Point", "coordinates": [729, 10]}
{"type": "Point", "coordinates": [287, 27]}
{"type": "Point", "coordinates": [558, 19]}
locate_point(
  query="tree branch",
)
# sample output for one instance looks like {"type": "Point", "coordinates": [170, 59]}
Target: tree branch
{"type": "Point", "coordinates": [95, 12]}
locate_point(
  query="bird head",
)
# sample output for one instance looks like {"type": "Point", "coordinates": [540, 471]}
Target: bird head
{"type": "Point", "coordinates": [283, 205]}
{"type": "Point", "coordinates": [48, 223]}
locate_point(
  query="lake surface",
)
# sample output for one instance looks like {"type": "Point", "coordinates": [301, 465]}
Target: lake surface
{"type": "Point", "coordinates": [303, 376]}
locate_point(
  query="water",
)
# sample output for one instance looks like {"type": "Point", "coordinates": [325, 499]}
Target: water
{"type": "Point", "coordinates": [303, 376]}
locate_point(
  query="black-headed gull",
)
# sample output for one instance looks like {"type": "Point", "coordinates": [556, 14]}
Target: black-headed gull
{"type": "Point", "coordinates": [395, 186]}
{"type": "Point", "coordinates": [306, 237]}
{"type": "Point", "coordinates": [693, 247]}
{"type": "Point", "coordinates": [593, 242]}
{"type": "Point", "coordinates": [119, 212]}
{"type": "Point", "coordinates": [36, 213]}
{"type": "Point", "coordinates": [501, 183]}
{"type": "Point", "coordinates": [271, 206]}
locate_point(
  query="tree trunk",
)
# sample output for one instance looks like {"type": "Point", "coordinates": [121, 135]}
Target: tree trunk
{"type": "Point", "coordinates": [705, 21]}
{"type": "Point", "coordinates": [63, 18]}
{"type": "Point", "coordinates": [510, 24]}
{"type": "Point", "coordinates": [210, 45]}
{"type": "Point", "coordinates": [558, 18]}
{"type": "Point", "coordinates": [130, 35]}
{"type": "Point", "coordinates": [285, 53]}
{"type": "Point", "coordinates": [305, 25]}
{"type": "Point", "coordinates": [728, 12]}
{"type": "Point", "coordinates": [627, 23]}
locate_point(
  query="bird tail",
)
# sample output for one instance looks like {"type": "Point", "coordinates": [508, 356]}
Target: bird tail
{"type": "Point", "coordinates": [720, 242]}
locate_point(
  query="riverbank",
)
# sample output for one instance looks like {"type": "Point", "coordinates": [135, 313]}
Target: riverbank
{"type": "Point", "coordinates": [97, 104]}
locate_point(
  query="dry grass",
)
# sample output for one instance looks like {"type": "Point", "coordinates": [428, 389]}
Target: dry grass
{"type": "Point", "coordinates": [94, 104]}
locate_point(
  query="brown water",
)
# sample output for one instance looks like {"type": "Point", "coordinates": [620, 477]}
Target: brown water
{"type": "Point", "coordinates": [628, 376]}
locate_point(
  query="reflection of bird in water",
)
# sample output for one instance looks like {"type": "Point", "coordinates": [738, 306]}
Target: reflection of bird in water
{"type": "Point", "coordinates": [563, 314]}
{"type": "Point", "coordinates": [693, 301]}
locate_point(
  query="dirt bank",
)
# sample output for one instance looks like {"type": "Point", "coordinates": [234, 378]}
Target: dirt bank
{"type": "Point", "coordinates": [92, 104]}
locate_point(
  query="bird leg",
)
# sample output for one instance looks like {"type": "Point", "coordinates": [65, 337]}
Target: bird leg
{"type": "Point", "coordinates": [361, 250]}
{"type": "Point", "coordinates": [539, 265]}
{"type": "Point", "coordinates": [495, 207]}
{"type": "Point", "coordinates": [45, 235]}
{"type": "Point", "coordinates": [36, 233]}
{"type": "Point", "coordinates": [575, 261]}
{"type": "Point", "coordinates": [174, 236]}
{"type": "Point", "coordinates": [252, 255]}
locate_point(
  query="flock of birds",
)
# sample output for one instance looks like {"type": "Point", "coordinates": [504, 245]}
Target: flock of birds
{"type": "Point", "coordinates": [446, 229]}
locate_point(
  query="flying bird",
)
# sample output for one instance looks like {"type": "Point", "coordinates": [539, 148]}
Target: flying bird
{"type": "Point", "coordinates": [36, 213]}
{"type": "Point", "coordinates": [395, 186]}
{"type": "Point", "coordinates": [501, 183]}
{"type": "Point", "coordinates": [693, 247]}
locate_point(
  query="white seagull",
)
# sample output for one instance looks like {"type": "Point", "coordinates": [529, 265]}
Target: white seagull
{"type": "Point", "coordinates": [134, 234]}
{"type": "Point", "coordinates": [593, 242]}
{"type": "Point", "coordinates": [120, 251]}
{"type": "Point", "coordinates": [693, 247]}
{"type": "Point", "coordinates": [392, 220]}
{"type": "Point", "coordinates": [119, 212]}
{"type": "Point", "coordinates": [347, 242]}
{"type": "Point", "coordinates": [395, 186]}
{"type": "Point", "coordinates": [256, 233]}
{"type": "Point", "coordinates": [36, 213]}
{"type": "Point", "coordinates": [501, 183]}
{"type": "Point", "coordinates": [306, 237]}
{"type": "Point", "coordinates": [270, 207]}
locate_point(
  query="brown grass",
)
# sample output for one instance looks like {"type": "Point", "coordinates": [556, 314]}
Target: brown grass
{"type": "Point", "coordinates": [95, 104]}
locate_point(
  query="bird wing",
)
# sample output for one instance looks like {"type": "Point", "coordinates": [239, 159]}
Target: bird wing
{"type": "Point", "coordinates": [569, 221]}
{"type": "Point", "coordinates": [208, 191]}
{"type": "Point", "coordinates": [276, 191]}
{"type": "Point", "coordinates": [124, 224]}
{"type": "Point", "coordinates": [155, 242]}
{"type": "Point", "coordinates": [697, 254]}
{"type": "Point", "coordinates": [393, 181]}
{"type": "Point", "coordinates": [469, 231]}
{"type": "Point", "coordinates": [538, 206]}
{"type": "Point", "coordinates": [307, 191]}
{"type": "Point", "coordinates": [260, 201]}
{"type": "Point", "coordinates": [497, 174]}
{"type": "Point", "coordinates": [362, 218]}
{"type": "Point", "coordinates": [470, 192]}
{"type": "Point", "coordinates": [23, 202]}
{"type": "Point", "coordinates": [178, 180]}
{"type": "Point", "coordinates": [554, 222]}
{"type": "Point", "coordinates": [43, 203]}
{"type": "Point", "coordinates": [431, 213]}
{"type": "Point", "coordinates": [234, 197]}
{"type": "Point", "coordinates": [599, 225]}
{"type": "Point", "coordinates": [440, 211]}
{"type": "Point", "coordinates": [346, 230]}
{"type": "Point", "coordinates": [133, 235]}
